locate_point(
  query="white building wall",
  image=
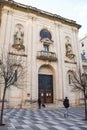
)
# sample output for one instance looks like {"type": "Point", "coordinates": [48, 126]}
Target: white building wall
{"type": "Point", "coordinates": [32, 25]}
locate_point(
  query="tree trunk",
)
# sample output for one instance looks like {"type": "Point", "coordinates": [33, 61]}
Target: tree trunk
{"type": "Point", "coordinates": [85, 105]}
{"type": "Point", "coordinates": [2, 108]}
{"type": "Point", "coordinates": [85, 109]}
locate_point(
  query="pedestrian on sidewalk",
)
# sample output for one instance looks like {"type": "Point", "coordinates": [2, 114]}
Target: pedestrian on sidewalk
{"type": "Point", "coordinates": [39, 103]}
{"type": "Point", "coordinates": [66, 105]}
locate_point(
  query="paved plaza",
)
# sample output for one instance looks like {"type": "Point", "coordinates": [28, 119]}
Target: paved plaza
{"type": "Point", "coordinates": [44, 119]}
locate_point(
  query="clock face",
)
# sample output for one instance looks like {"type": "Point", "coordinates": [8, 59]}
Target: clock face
{"type": "Point", "coordinates": [45, 34]}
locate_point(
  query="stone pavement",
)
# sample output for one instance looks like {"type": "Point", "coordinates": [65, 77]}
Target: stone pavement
{"type": "Point", "coordinates": [44, 119]}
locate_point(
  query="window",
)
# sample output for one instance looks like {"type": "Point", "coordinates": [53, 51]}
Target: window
{"type": "Point", "coordinates": [69, 78]}
{"type": "Point", "coordinates": [46, 48]}
{"type": "Point", "coordinates": [82, 44]}
{"type": "Point", "coordinates": [44, 33]}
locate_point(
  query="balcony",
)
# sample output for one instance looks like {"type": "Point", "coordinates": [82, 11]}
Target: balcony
{"type": "Point", "coordinates": [44, 55]}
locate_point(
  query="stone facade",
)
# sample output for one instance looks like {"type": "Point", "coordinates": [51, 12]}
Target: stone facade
{"type": "Point", "coordinates": [47, 44]}
{"type": "Point", "coordinates": [83, 52]}
{"type": "Point", "coordinates": [83, 48]}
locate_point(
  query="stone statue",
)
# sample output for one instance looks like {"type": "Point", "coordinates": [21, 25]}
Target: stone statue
{"type": "Point", "coordinates": [18, 40]}
{"type": "Point", "coordinates": [69, 52]}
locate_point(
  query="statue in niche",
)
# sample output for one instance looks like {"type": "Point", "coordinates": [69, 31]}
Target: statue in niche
{"type": "Point", "coordinates": [18, 39]}
{"type": "Point", "coordinates": [69, 52]}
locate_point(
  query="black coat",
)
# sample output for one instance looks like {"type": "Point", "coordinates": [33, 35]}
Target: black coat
{"type": "Point", "coordinates": [39, 101]}
{"type": "Point", "coordinates": [66, 103]}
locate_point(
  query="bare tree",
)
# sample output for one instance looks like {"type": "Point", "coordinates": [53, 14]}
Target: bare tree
{"type": "Point", "coordinates": [11, 72]}
{"type": "Point", "coordinates": [79, 83]}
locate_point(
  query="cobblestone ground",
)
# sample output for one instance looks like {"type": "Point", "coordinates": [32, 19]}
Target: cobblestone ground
{"type": "Point", "coordinates": [43, 119]}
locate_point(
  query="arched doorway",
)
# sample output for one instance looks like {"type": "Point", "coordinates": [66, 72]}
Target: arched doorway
{"type": "Point", "coordinates": [45, 84]}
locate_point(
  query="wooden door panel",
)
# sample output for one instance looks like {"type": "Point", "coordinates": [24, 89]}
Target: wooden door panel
{"type": "Point", "coordinates": [41, 95]}
{"type": "Point", "coordinates": [49, 96]}
{"type": "Point", "coordinates": [46, 88]}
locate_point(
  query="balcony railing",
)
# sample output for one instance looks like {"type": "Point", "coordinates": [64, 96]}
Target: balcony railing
{"type": "Point", "coordinates": [44, 55]}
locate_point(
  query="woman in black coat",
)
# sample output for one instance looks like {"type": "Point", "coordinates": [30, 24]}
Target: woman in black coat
{"type": "Point", "coordinates": [66, 105]}
{"type": "Point", "coordinates": [39, 103]}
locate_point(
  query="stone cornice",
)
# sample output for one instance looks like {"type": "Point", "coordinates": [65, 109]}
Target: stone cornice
{"type": "Point", "coordinates": [39, 12]}
{"type": "Point", "coordinates": [72, 62]}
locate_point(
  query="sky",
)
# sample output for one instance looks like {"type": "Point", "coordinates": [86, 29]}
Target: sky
{"type": "Point", "coordinates": [71, 9]}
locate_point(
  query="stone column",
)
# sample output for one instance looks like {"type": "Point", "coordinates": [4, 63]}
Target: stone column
{"type": "Point", "coordinates": [61, 62]}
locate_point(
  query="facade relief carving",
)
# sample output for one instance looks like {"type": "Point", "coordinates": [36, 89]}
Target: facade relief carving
{"type": "Point", "coordinates": [69, 52]}
{"type": "Point", "coordinates": [19, 38]}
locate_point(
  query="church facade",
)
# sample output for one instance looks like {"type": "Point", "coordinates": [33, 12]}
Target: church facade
{"type": "Point", "coordinates": [48, 47]}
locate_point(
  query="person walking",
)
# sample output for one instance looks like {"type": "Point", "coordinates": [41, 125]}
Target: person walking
{"type": "Point", "coordinates": [39, 103]}
{"type": "Point", "coordinates": [66, 105]}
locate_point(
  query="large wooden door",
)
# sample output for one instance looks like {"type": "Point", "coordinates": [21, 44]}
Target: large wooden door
{"type": "Point", "coordinates": [45, 92]}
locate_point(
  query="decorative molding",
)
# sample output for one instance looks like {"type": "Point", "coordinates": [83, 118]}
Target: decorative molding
{"type": "Point", "coordinates": [8, 12]}
{"type": "Point", "coordinates": [72, 62]}
{"type": "Point", "coordinates": [16, 54]}
{"type": "Point", "coordinates": [58, 24]}
{"type": "Point", "coordinates": [46, 41]}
